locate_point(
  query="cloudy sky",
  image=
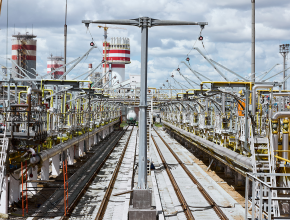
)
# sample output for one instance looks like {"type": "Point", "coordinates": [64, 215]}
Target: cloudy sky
{"type": "Point", "coordinates": [227, 38]}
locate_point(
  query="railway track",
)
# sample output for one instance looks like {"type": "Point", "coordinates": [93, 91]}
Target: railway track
{"type": "Point", "coordinates": [182, 200]}
{"type": "Point", "coordinates": [80, 181]}
{"type": "Point", "coordinates": [95, 200]}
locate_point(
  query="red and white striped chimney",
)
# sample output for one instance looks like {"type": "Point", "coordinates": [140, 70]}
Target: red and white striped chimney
{"type": "Point", "coordinates": [117, 54]}
{"type": "Point", "coordinates": [24, 55]}
{"type": "Point", "coordinates": [54, 62]}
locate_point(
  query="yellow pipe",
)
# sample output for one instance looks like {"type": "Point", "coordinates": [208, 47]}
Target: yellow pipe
{"type": "Point", "coordinates": [64, 106]}
{"type": "Point", "coordinates": [69, 106]}
{"type": "Point", "coordinates": [197, 90]}
{"type": "Point", "coordinates": [281, 158]}
{"type": "Point", "coordinates": [50, 93]}
{"type": "Point", "coordinates": [57, 80]}
{"type": "Point", "coordinates": [20, 95]}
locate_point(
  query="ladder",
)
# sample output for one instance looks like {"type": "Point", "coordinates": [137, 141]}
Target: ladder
{"type": "Point", "coordinates": [263, 162]}
{"type": "Point", "coordinates": [3, 154]}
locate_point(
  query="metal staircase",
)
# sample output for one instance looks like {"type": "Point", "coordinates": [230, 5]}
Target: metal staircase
{"type": "Point", "coordinates": [263, 162]}
{"type": "Point", "coordinates": [3, 155]}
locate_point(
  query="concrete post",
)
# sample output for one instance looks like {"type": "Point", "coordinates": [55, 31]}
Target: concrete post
{"type": "Point", "coordinates": [239, 180]}
{"type": "Point", "coordinates": [55, 165]}
{"type": "Point", "coordinates": [228, 172]}
{"type": "Point", "coordinates": [71, 155]}
{"type": "Point", "coordinates": [32, 175]}
{"type": "Point", "coordinates": [81, 148]}
{"type": "Point", "coordinates": [4, 197]}
{"type": "Point", "coordinates": [14, 191]}
{"type": "Point", "coordinates": [76, 151]}
{"type": "Point", "coordinates": [95, 139]}
{"type": "Point", "coordinates": [85, 146]}
{"type": "Point", "coordinates": [91, 142]}
{"type": "Point", "coordinates": [45, 170]}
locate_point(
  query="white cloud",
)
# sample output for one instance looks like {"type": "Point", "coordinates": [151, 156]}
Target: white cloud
{"type": "Point", "coordinates": [227, 38]}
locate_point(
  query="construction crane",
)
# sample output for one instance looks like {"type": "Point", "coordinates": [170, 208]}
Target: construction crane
{"type": "Point", "coordinates": [105, 42]}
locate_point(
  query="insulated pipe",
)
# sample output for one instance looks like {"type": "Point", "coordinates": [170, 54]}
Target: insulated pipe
{"type": "Point", "coordinates": [254, 89]}
{"type": "Point", "coordinates": [285, 137]}
{"type": "Point", "coordinates": [237, 158]}
{"type": "Point", "coordinates": [281, 115]}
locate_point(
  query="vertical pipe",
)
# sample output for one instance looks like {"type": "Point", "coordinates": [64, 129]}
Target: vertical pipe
{"type": "Point", "coordinates": [284, 72]}
{"type": "Point", "coordinates": [142, 168]}
{"type": "Point", "coordinates": [22, 174]}
{"type": "Point", "coordinates": [64, 187]}
{"type": "Point", "coordinates": [223, 103]}
{"type": "Point", "coordinates": [253, 198]}
{"type": "Point", "coordinates": [65, 37]}
{"type": "Point", "coordinates": [269, 204]}
{"type": "Point", "coordinates": [285, 144]}
{"type": "Point", "coordinates": [246, 196]}
{"type": "Point", "coordinates": [279, 99]}
{"type": "Point", "coordinates": [15, 97]}
{"type": "Point", "coordinates": [253, 42]}
{"type": "Point", "coordinates": [246, 119]}
{"type": "Point", "coordinates": [28, 108]}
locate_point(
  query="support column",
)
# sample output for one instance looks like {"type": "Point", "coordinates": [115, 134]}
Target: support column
{"type": "Point", "coordinates": [85, 146]}
{"type": "Point", "coordinates": [228, 171]}
{"type": "Point", "coordinates": [239, 180]}
{"type": "Point", "coordinates": [95, 139]}
{"type": "Point", "coordinates": [4, 197]}
{"type": "Point", "coordinates": [55, 165]}
{"type": "Point", "coordinates": [81, 148]}
{"type": "Point", "coordinates": [32, 175]}
{"type": "Point", "coordinates": [14, 191]}
{"type": "Point", "coordinates": [45, 170]}
{"type": "Point", "coordinates": [76, 151]}
{"type": "Point", "coordinates": [91, 142]}
{"type": "Point", "coordinates": [70, 154]}
{"type": "Point", "coordinates": [142, 168]}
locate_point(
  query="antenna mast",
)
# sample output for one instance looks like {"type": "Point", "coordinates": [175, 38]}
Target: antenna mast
{"type": "Point", "coordinates": [65, 35]}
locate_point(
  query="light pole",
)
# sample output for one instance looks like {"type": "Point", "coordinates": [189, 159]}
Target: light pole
{"type": "Point", "coordinates": [143, 23]}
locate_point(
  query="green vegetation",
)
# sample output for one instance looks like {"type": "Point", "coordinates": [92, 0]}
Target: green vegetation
{"type": "Point", "coordinates": [158, 125]}
{"type": "Point", "coordinates": [123, 124]}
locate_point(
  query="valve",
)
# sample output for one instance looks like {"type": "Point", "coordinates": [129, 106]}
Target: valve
{"type": "Point", "coordinates": [285, 126]}
{"type": "Point", "coordinates": [275, 126]}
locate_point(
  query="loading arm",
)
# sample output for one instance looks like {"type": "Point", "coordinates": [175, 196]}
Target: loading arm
{"type": "Point", "coordinates": [198, 50]}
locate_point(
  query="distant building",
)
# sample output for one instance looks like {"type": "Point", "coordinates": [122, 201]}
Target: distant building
{"type": "Point", "coordinates": [54, 62]}
{"type": "Point", "coordinates": [24, 55]}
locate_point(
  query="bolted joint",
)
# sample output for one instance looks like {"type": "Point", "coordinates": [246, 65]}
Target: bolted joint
{"type": "Point", "coordinates": [145, 21]}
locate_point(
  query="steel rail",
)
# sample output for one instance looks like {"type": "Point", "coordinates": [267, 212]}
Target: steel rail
{"type": "Point", "coordinates": [82, 192]}
{"type": "Point", "coordinates": [180, 197]}
{"type": "Point", "coordinates": [103, 206]}
{"type": "Point", "coordinates": [210, 200]}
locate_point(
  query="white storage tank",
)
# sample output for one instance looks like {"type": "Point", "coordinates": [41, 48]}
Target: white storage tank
{"type": "Point", "coordinates": [131, 117]}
